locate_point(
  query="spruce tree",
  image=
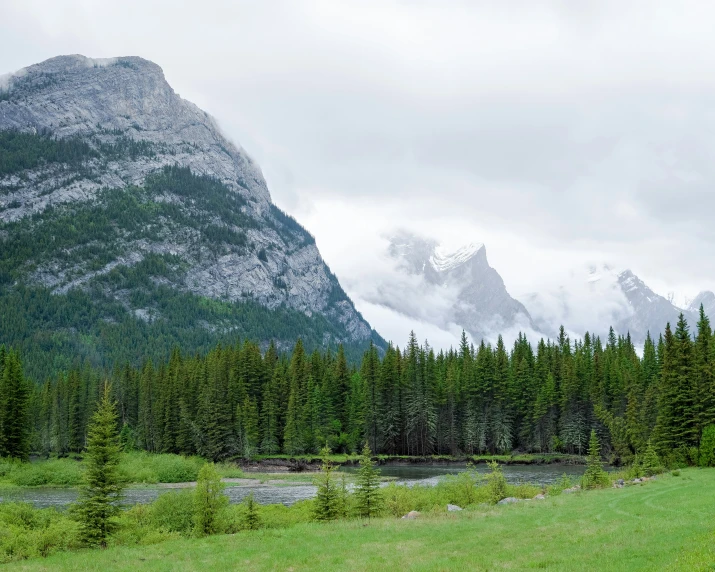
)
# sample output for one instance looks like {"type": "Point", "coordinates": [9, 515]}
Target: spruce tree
{"type": "Point", "coordinates": [251, 518]}
{"type": "Point", "coordinates": [14, 404]}
{"type": "Point", "coordinates": [368, 497]}
{"type": "Point", "coordinates": [326, 504]}
{"type": "Point", "coordinates": [102, 489]}
{"type": "Point", "coordinates": [595, 476]}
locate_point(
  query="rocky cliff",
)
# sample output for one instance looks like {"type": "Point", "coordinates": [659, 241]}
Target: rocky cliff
{"type": "Point", "coordinates": [105, 171]}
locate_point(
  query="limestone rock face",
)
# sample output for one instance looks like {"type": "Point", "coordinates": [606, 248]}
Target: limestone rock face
{"type": "Point", "coordinates": [134, 127]}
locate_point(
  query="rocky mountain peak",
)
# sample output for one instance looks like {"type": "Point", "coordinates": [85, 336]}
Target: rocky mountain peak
{"type": "Point", "coordinates": [114, 99]}
{"type": "Point", "coordinates": [137, 195]}
{"type": "Point", "coordinates": [465, 291]}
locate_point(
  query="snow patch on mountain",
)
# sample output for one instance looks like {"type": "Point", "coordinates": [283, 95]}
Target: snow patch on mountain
{"type": "Point", "coordinates": [443, 260]}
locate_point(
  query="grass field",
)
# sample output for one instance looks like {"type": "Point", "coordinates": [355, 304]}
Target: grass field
{"type": "Point", "coordinates": [667, 524]}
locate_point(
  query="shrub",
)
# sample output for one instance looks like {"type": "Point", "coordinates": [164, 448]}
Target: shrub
{"type": "Point", "coordinates": [706, 457]}
{"type": "Point", "coordinates": [27, 532]}
{"type": "Point", "coordinates": [173, 512]}
{"type": "Point", "coordinates": [496, 483]}
{"type": "Point", "coordinates": [559, 486]}
{"type": "Point", "coordinates": [463, 487]}
{"type": "Point", "coordinates": [209, 502]}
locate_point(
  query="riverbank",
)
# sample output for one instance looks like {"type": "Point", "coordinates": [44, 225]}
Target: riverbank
{"type": "Point", "coordinates": [141, 468]}
{"type": "Point", "coordinates": [664, 524]}
{"type": "Point", "coordinates": [300, 463]}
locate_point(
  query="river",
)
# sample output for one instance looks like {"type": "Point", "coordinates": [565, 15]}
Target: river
{"type": "Point", "coordinates": [288, 493]}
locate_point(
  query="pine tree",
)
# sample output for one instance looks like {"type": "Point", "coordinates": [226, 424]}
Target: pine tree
{"type": "Point", "coordinates": [251, 518]}
{"type": "Point", "coordinates": [368, 496]}
{"type": "Point", "coordinates": [209, 501]}
{"type": "Point", "coordinates": [326, 504]}
{"type": "Point", "coordinates": [595, 476]}
{"type": "Point", "coordinates": [651, 463]}
{"type": "Point", "coordinates": [98, 502]}
{"type": "Point", "coordinates": [14, 404]}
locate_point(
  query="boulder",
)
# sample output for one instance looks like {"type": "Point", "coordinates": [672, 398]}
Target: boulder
{"type": "Point", "coordinates": [572, 489]}
{"type": "Point", "coordinates": [509, 500]}
{"type": "Point", "coordinates": [620, 482]}
{"type": "Point", "coordinates": [412, 515]}
{"type": "Point", "coordinates": [453, 508]}
{"type": "Point", "coordinates": [540, 497]}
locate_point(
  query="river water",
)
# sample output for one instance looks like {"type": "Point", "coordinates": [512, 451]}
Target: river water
{"type": "Point", "coordinates": [290, 493]}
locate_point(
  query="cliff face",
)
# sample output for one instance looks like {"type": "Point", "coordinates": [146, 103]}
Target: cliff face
{"type": "Point", "coordinates": [146, 180]}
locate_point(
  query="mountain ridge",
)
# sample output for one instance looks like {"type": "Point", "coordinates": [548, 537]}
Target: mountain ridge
{"type": "Point", "coordinates": [114, 187]}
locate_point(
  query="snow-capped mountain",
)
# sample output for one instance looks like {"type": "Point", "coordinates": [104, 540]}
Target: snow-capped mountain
{"type": "Point", "coordinates": [596, 297]}
{"type": "Point", "coordinates": [449, 288]}
{"type": "Point", "coordinates": [706, 298]}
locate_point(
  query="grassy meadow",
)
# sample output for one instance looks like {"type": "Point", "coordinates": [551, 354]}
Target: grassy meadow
{"type": "Point", "coordinates": [665, 524]}
{"type": "Point", "coordinates": [135, 468]}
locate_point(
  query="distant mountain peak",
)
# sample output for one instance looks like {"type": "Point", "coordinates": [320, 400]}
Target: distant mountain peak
{"type": "Point", "coordinates": [444, 260]}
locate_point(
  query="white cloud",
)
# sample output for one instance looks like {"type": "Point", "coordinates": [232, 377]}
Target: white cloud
{"type": "Point", "coordinates": [556, 133]}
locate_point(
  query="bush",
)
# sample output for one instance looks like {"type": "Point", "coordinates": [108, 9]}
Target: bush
{"type": "Point", "coordinates": [559, 486]}
{"type": "Point", "coordinates": [496, 483]}
{"type": "Point", "coordinates": [141, 467]}
{"type": "Point", "coordinates": [706, 457]}
{"type": "Point", "coordinates": [463, 487]}
{"type": "Point", "coordinates": [54, 472]}
{"type": "Point", "coordinates": [173, 512]}
{"type": "Point", "coordinates": [209, 502]}
{"type": "Point", "coordinates": [27, 532]}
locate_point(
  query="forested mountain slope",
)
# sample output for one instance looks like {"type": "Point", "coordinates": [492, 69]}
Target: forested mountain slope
{"type": "Point", "coordinates": [130, 224]}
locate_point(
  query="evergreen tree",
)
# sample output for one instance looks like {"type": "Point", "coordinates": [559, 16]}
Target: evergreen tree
{"type": "Point", "coordinates": [209, 501]}
{"type": "Point", "coordinates": [595, 476]}
{"type": "Point", "coordinates": [14, 404]}
{"type": "Point", "coordinates": [98, 502]}
{"type": "Point", "coordinates": [326, 504]}
{"type": "Point", "coordinates": [251, 518]}
{"type": "Point", "coordinates": [368, 496]}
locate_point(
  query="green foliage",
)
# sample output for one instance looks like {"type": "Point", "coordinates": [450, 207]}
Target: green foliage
{"type": "Point", "coordinates": [97, 505]}
{"type": "Point", "coordinates": [595, 476]}
{"type": "Point", "coordinates": [651, 464]}
{"type": "Point", "coordinates": [326, 504]}
{"type": "Point", "coordinates": [14, 401]}
{"type": "Point", "coordinates": [559, 486]}
{"type": "Point", "coordinates": [497, 486]}
{"type": "Point", "coordinates": [251, 519]}
{"type": "Point", "coordinates": [26, 532]}
{"type": "Point", "coordinates": [20, 151]}
{"type": "Point", "coordinates": [209, 502]}
{"type": "Point", "coordinates": [53, 472]}
{"type": "Point", "coordinates": [706, 457]}
{"type": "Point", "coordinates": [174, 512]}
{"type": "Point", "coordinates": [368, 497]}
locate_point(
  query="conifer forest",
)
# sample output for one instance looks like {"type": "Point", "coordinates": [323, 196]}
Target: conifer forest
{"type": "Point", "coordinates": [239, 401]}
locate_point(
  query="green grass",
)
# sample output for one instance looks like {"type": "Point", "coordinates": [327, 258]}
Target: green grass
{"type": "Point", "coordinates": [135, 467]}
{"type": "Point", "coordinates": [665, 524]}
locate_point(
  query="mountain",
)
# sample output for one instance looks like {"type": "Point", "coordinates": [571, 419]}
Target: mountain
{"type": "Point", "coordinates": [707, 299]}
{"type": "Point", "coordinates": [449, 288]}
{"type": "Point", "coordinates": [597, 297]}
{"type": "Point", "coordinates": [130, 223]}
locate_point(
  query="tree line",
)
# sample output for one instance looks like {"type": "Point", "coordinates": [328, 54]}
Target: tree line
{"type": "Point", "coordinates": [239, 401]}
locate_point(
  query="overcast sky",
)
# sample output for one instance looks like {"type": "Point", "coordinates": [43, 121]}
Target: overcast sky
{"type": "Point", "coordinates": [557, 134]}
